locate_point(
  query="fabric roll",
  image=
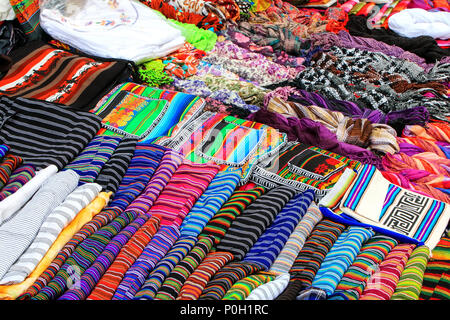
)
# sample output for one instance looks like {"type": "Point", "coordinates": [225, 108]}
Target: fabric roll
{"type": "Point", "coordinates": [271, 242]}
{"type": "Point", "coordinates": [164, 267]}
{"type": "Point", "coordinates": [156, 249]}
{"type": "Point", "coordinates": [17, 180]}
{"type": "Point", "coordinates": [339, 258]}
{"type": "Point", "coordinates": [184, 188]}
{"type": "Point", "coordinates": [242, 288]}
{"type": "Point", "coordinates": [436, 273]}
{"type": "Point", "coordinates": [382, 284]}
{"type": "Point", "coordinates": [311, 256]}
{"type": "Point", "coordinates": [142, 166]}
{"type": "Point", "coordinates": [57, 134]}
{"type": "Point", "coordinates": [90, 277]}
{"type": "Point", "coordinates": [209, 203]}
{"type": "Point", "coordinates": [91, 160]}
{"type": "Point", "coordinates": [294, 244]}
{"type": "Point", "coordinates": [197, 281]}
{"type": "Point", "coordinates": [15, 239]}
{"type": "Point", "coordinates": [410, 282]}
{"type": "Point", "coordinates": [17, 291]}
{"type": "Point", "coordinates": [248, 227]}
{"type": "Point", "coordinates": [270, 290]}
{"type": "Point", "coordinates": [10, 205]}
{"type": "Point", "coordinates": [49, 231]}
{"type": "Point", "coordinates": [106, 285]}
{"type": "Point", "coordinates": [7, 165]}
{"type": "Point", "coordinates": [113, 171]}
{"type": "Point", "coordinates": [172, 284]}
{"type": "Point", "coordinates": [4, 149]}
{"type": "Point", "coordinates": [222, 220]}
{"type": "Point", "coordinates": [222, 281]}
{"type": "Point", "coordinates": [366, 263]}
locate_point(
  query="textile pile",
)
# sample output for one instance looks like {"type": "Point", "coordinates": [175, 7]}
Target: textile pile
{"type": "Point", "coordinates": [224, 150]}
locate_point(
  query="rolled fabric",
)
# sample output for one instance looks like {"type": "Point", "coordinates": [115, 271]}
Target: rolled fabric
{"type": "Point", "coordinates": [242, 288]}
{"type": "Point", "coordinates": [248, 227]}
{"type": "Point", "coordinates": [382, 284]}
{"type": "Point", "coordinates": [270, 290]}
{"type": "Point", "coordinates": [17, 180]}
{"type": "Point", "coordinates": [294, 244]}
{"type": "Point", "coordinates": [14, 238]}
{"type": "Point", "coordinates": [7, 165]}
{"type": "Point", "coordinates": [162, 269]}
{"type": "Point", "coordinates": [197, 281]}
{"type": "Point", "coordinates": [354, 280]}
{"type": "Point", "coordinates": [3, 150]}
{"type": "Point", "coordinates": [410, 282]}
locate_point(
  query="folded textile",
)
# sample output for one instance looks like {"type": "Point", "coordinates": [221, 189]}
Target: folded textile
{"type": "Point", "coordinates": [17, 180]}
{"type": "Point", "coordinates": [242, 288]}
{"type": "Point", "coordinates": [270, 290]}
{"type": "Point", "coordinates": [7, 165]}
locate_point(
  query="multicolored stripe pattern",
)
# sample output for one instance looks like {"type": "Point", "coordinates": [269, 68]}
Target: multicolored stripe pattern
{"type": "Point", "coordinates": [242, 288]}
{"type": "Point", "coordinates": [8, 164]}
{"type": "Point", "coordinates": [18, 178]}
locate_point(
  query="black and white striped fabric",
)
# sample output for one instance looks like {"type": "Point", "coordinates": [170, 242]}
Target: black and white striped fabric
{"type": "Point", "coordinates": [18, 233]}
{"type": "Point", "coordinates": [248, 227]}
{"type": "Point", "coordinates": [44, 133]}
{"type": "Point", "coordinates": [270, 290]}
{"type": "Point", "coordinates": [52, 226]}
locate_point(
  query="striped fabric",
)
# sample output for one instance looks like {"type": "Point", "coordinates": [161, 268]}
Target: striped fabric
{"type": "Point", "coordinates": [14, 238]}
{"type": "Point", "coordinates": [209, 203]}
{"type": "Point", "coordinates": [164, 267]}
{"type": "Point", "coordinates": [410, 282]}
{"type": "Point", "coordinates": [242, 288]}
{"type": "Point", "coordinates": [53, 224]}
{"type": "Point", "coordinates": [83, 256]}
{"type": "Point", "coordinates": [436, 281]}
{"type": "Point", "coordinates": [27, 13]}
{"type": "Point", "coordinates": [18, 178]}
{"type": "Point", "coordinates": [248, 227]}
{"type": "Point", "coordinates": [383, 282]}
{"type": "Point", "coordinates": [156, 249]}
{"type": "Point", "coordinates": [340, 257]}
{"type": "Point", "coordinates": [294, 244]}
{"type": "Point", "coordinates": [311, 256]}
{"type": "Point", "coordinates": [105, 287]}
{"type": "Point", "coordinates": [3, 150]}
{"type": "Point", "coordinates": [15, 291]}
{"type": "Point", "coordinates": [224, 279]}
{"type": "Point", "coordinates": [42, 72]}
{"type": "Point", "coordinates": [172, 285]}
{"type": "Point", "coordinates": [169, 163]}
{"type": "Point", "coordinates": [271, 242]}
{"type": "Point", "coordinates": [442, 249]}
{"type": "Point", "coordinates": [222, 220]}
{"type": "Point", "coordinates": [144, 162]}
{"type": "Point", "coordinates": [91, 160]}
{"type": "Point", "coordinates": [84, 285]}
{"type": "Point", "coordinates": [366, 263]}
{"type": "Point", "coordinates": [7, 165]}
{"type": "Point", "coordinates": [184, 188]}
{"type": "Point", "coordinates": [114, 170]}
{"type": "Point", "coordinates": [270, 290]}
{"type": "Point", "coordinates": [197, 281]}
{"type": "Point", "coordinates": [56, 137]}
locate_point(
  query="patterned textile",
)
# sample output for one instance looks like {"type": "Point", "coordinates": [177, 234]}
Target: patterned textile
{"type": "Point", "coordinates": [3, 150]}
{"type": "Point", "coordinates": [18, 178]}
{"type": "Point", "coordinates": [225, 140]}
{"type": "Point", "coordinates": [246, 229]}
{"type": "Point", "coordinates": [242, 288]}
{"type": "Point", "coordinates": [197, 281]}
{"type": "Point", "coordinates": [410, 282]}
{"type": "Point", "coordinates": [383, 282]}
{"type": "Point", "coordinates": [270, 290]}
{"type": "Point", "coordinates": [303, 167]}
{"type": "Point", "coordinates": [7, 165]}
{"type": "Point", "coordinates": [27, 13]}
{"type": "Point", "coordinates": [43, 72]}
{"type": "Point", "coordinates": [164, 267]}
{"type": "Point", "coordinates": [296, 240]}
{"type": "Point", "coordinates": [210, 202]}
{"type": "Point", "coordinates": [218, 225]}
{"type": "Point", "coordinates": [354, 280]}
{"type": "Point", "coordinates": [271, 242]}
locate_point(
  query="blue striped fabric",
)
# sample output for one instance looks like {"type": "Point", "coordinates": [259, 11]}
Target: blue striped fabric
{"type": "Point", "coordinates": [90, 161]}
{"type": "Point", "coordinates": [157, 248]}
{"type": "Point", "coordinates": [218, 191]}
{"type": "Point", "coordinates": [156, 278]}
{"type": "Point", "coordinates": [3, 150]}
{"type": "Point", "coordinates": [272, 241]}
{"type": "Point", "coordinates": [340, 257]}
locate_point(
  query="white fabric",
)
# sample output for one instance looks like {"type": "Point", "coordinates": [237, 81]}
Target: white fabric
{"type": "Point", "coordinates": [10, 205]}
{"type": "Point", "coordinates": [419, 22]}
{"type": "Point", "coordinates": [6, 11]}
{"type": "Point", "coordinates": [270, 290]}
{"type": "Point", "coordinates": [122, 29]}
